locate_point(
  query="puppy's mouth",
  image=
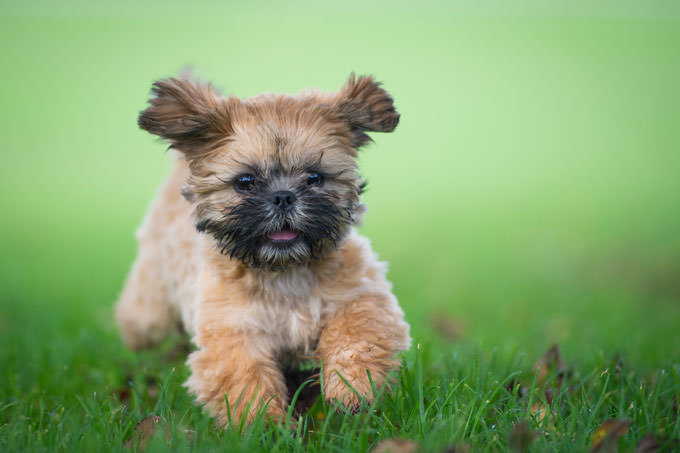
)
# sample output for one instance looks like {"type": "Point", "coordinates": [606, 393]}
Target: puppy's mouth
{"type": "Point", "coordinates": [283, 236]}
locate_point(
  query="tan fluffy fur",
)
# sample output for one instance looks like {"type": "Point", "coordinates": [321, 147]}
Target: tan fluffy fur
{"type": "Point", "coordinates": [246, 322]}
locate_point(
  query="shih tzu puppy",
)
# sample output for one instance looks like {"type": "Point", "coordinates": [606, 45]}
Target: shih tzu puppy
{"type": "Point", "coordinates": [251, 247]}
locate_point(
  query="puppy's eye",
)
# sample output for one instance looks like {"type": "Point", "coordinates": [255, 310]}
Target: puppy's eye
{"type": "Point", "coordinates": [314, 179]}
{"type": "Point", "coordinates": [245, 182]}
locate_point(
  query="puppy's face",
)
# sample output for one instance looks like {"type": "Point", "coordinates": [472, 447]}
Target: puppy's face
{"type": "Point", "coordinates": [273, 178]}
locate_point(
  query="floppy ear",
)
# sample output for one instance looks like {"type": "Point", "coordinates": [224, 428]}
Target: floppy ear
{"type": "Point", "coordinates": [367, 108]}
{"type": "Point", "coordinates": [189, 114]}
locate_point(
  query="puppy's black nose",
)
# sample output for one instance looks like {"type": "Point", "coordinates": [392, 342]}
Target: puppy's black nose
{"type": "Point", "coordinates": [283, 199]}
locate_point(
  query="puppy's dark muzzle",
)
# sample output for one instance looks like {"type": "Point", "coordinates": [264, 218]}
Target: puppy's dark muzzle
{"type": "Point", "coordinates": [283, 199]}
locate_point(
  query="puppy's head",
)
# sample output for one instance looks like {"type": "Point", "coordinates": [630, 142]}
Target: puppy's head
{"type": "Point", "coordinates": [273, 178]}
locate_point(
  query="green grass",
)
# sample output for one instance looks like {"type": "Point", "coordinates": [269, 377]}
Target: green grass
{"type": "Point", "coordinates": [529, 197]}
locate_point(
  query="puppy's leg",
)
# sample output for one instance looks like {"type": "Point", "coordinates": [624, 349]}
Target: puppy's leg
{"type": "Point", "coordinates": [143, 311]}
{"type": "Point", "coordinates": [364, 337]}
{"type": "Point", "coordinates": [227, 367]}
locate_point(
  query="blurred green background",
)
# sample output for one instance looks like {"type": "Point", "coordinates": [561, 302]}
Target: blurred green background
{"type": "Point", "coordinates": [531, 192]}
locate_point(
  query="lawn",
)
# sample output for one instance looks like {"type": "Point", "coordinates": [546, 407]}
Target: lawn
{"type": "Point", "coordinates": [529, 199]}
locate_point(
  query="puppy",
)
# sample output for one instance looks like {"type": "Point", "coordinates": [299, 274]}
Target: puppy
{"type": "Point", "coordinates": [251, 246]}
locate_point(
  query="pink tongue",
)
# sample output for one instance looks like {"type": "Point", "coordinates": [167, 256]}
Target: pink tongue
{"type": "Point", "coordinates": [283, 235]}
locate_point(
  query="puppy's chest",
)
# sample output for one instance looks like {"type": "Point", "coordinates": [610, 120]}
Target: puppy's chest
{"type": "Point", "coordinates": [286, 313]}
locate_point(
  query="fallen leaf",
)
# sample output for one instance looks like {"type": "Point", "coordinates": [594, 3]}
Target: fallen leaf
{"type": "Point", "coordinates": [122, 395]}
{"type": "Point", "coordinates": [446, 326]}
{"type": "Point", "coordinates": [653, 444]}
{"type": "Point", "coordinates": [145, 430]}
{"type": "Point", "coordinates": [648, 444]}
{"type": "Point", "coordinates": [539, 411]}
{"type": "Point", "coordinates": [520, 437]}
{"type": "Point", "coordinates": [607, 436]}
{"type": "Point", "coordinates": [549, 395]}
{"type": "Point", "coordinates": [549, 363]}
{"type": "Point", "coordinates": [657, 278]}
{"type": "Point", "coordinates": [396, 446]}
{"type": "Point", "coordinates": [152, 387]}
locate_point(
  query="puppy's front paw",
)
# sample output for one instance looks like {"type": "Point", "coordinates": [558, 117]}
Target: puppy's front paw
{"type": "Point", "coordinates": [336, 388]}
{"type": "Point", "coordinates": [246, 405]}
{"type": "Point", "coordinates": [233, 386]}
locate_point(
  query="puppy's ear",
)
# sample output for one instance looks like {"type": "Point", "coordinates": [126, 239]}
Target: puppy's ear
{"type": "Point", "coordinates": [189, 114]}
{"type": "Point", "coordinates": [366, 107]}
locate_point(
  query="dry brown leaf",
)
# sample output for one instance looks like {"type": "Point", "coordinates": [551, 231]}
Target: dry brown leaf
{"type": "Point", "coordinates": [152, 387]}
{"type": "Point", "coordinates": [122, 395]}
{"type": "Point", "coordinates": [652, 444]}
{"type": "Point", "coordinates": [550, 362]}
{"type": "Point", "coordinates": [520, 437]}
{"type": "Point", "coordinates": [648, 444]}
{"type": "Point", "coordinates": [550, 371]}
{"type": "Point", "coordinates": [539, 411]}
{"type": "Point", "coordinates": [606, 437]}
{"type": "Point", "coordinates": [446, 326]}
{"type": "Point", "coordinates": [145, 430]}
{"type": "Point", "coordinates": [396, 446]}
